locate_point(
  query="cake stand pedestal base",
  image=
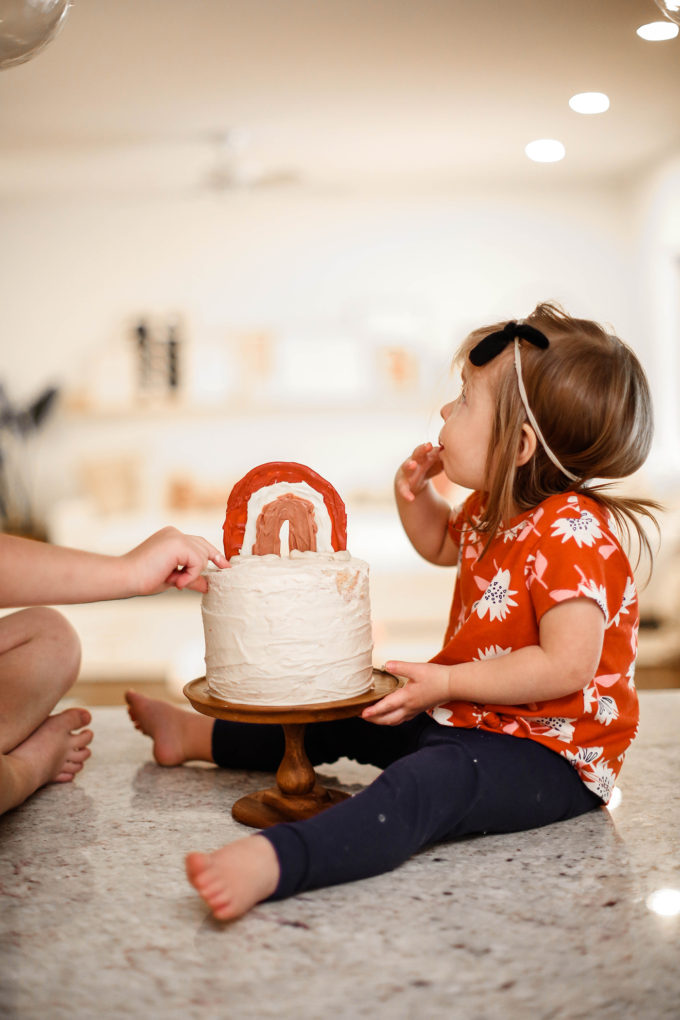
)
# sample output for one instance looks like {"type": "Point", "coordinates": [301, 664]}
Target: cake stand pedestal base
{"type": "Point", "coordinates": [298, 793]}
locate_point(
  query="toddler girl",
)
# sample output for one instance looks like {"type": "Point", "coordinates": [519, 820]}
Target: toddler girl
{"type": "Point", "coordinates": [523, 718]}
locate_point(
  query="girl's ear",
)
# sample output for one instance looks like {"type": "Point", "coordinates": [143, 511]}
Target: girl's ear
{"type": "Point", "coordinates": [527, 445]}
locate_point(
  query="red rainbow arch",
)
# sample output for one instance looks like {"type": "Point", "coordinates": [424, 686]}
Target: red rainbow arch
{"type": "Point", "coordinates": [268, 474]}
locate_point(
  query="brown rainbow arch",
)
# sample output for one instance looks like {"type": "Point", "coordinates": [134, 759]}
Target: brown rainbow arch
{"type": "Point", "coordinates": [269, 474]}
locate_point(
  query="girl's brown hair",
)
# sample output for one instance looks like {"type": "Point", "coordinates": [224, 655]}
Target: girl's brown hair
{"type": "Point", "coordinates": [590, 397]}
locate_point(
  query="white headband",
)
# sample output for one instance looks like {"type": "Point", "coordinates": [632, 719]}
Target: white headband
{"type": "Point", "coordinates": [532, 420]}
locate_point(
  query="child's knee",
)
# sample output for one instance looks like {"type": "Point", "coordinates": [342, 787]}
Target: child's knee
{"type": "Point", "coordinates": [69, 646]}
{"type": "Point", "coordinates": [62, 640]}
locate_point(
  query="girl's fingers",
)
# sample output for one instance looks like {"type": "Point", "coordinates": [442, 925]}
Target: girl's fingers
{"type": "Point", "coordinates": [390, 720]}
{"type": "Point", "coordinates": [404, 490]}
{"type": "Point", "coordinates": [387, 704]}
{"type": "Point", "coordinates": [415, 471]}
{"type": "Point", "coordinates": [410, 670]}
{"type": "Point", "coordinates": [423, 449]}
{"type": "Point", "coordinates": [391, 709]}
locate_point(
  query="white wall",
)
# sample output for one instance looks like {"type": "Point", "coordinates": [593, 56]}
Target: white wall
{"type": "Point", "coordinates": [76, 271]}
{"type": "Point", "coordinates": [657, 271]}
{"type": "Point", "coordinates": [73, 272]}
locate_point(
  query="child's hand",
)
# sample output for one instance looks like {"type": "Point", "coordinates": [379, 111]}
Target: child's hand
{"type": "Point", "coordinates": [413, 475]}
{"type": "Point", "coordinates": [170, 558]}
{"type": "Point", "coordinates": [428, 685]}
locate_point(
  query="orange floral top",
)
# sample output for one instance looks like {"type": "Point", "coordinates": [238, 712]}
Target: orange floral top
{"type": "Point", "coordinates": [562, 549]}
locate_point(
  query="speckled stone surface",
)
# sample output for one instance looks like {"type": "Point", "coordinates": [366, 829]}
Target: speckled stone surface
{"type": "Point", "coordinates": [97, 919]}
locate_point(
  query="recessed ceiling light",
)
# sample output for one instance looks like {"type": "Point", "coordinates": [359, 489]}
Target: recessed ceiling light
{"type": "Point", "coordinates": [657, 31]}
{"type": "Point", "coordinates": [589, 102]}
{"type": "Point", "coordinates": [545, 150]}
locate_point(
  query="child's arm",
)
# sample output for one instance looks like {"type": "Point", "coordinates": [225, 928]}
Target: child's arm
{"type": "Point", "coordinates": [565, 661]}
{"type": "Point", "coordinates": [423, 512]}
{"type": "Point", "coordinates": [34, 573]}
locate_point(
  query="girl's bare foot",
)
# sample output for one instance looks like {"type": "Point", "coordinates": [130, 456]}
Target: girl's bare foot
{"type": "Point", "coordinates": [177, 735]}
{"type": "Point", "coordinates": [53, 753]}
{"type": "Point", "coordinates": [236, 877]}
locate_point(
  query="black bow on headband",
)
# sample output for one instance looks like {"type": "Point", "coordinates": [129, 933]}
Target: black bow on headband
{"type": "Point", "coordinates": [494, 343]}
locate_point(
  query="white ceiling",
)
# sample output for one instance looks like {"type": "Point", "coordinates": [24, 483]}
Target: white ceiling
{"type": "Point", "coordinates": [429, 93]}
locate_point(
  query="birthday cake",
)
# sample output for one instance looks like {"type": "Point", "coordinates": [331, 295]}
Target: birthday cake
{"type": "Point", "coordinates": [288, 622]}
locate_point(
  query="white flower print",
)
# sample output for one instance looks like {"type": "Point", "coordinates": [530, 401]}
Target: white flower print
{"type": "Point", "coordinates": [469, 533]}
{"type": "Point", "coordinates": [584, 529]}
{"type": "Point", "coordinates": [492, 652]}
{"type": "Point", "coordinates": [631, 676]}
{"type": "Point", "coordinates": [598, 593]}
{"type": "Point", "coordinates": [511, 534]}
{"type": "Point", "coordinates": [629, 596]}
{"type": "Point", "coordinates": [607, 710]}
{"type": "Point", "coordinates": [552, 726]}
{"type": "Point", "coordinates": [521, 531]}
{"type": "Point", "coordinates": [442, 715]}
{"type": "Point", "coordinates": [589, 698]}
{"type": "Point", "coordinates": [587, 587]}
{"type": "Point", "coordinates": [594, 772]}
{"type": "Point", "coordinates": [584, 757]}
{"type": "Point", "coordinates": [535, 567]}
{"type": "Point", "coordinates": [477, 714]}
{"type": "Point", "coordinates": [461, 619]}
{"type": "Point", "coordinates": [600, 779]}
{"type": "Point", "coordinates": [496, 598]}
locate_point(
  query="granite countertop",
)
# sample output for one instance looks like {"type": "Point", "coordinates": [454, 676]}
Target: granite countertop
{"type": "Point", "coordinates": [97, 918]}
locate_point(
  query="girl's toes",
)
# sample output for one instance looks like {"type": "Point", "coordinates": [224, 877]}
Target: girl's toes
{"type": "Point", "coordinates": [195, 865]}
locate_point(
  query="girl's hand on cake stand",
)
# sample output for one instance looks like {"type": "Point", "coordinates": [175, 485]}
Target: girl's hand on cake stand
{"type": "Point", "coordinates": [168, 559]}
{"type": "Point", "coordinates": [413, 475]}
{"type": "Point", "coordinates": [428, 685]}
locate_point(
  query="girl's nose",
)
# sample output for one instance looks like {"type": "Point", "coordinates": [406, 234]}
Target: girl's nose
{"type": "Point", "coordinates": [446, 410]}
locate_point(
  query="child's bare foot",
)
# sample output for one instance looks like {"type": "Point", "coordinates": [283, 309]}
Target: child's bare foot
{"type": "Point", "coordinates": [54, 752]}
{"type": "Point", "coordinates": [177, 735]}
{"type": "Point", "coordinates": [236, 877]}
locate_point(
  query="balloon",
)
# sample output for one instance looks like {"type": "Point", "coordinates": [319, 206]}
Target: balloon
{"type": "Point", "coordinates": [671, 9]}
{"type": "Point", "coordinates": [26, 26]}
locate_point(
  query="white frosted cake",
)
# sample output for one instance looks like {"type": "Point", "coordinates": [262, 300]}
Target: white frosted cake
{"type": "Point", "coordinates": [289, 621]}
{"type": "Point", "coordinates": [288, 630]}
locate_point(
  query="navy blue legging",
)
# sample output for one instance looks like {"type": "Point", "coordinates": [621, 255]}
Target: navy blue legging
{"type": "Point", "coordinates": [438, 783]}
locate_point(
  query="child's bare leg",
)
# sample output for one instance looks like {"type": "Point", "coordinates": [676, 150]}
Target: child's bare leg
{"type": "Point", "coordinates": [39, 661]}
{"type": "Point", "coordinates": [236, 877]}
{"type": "Point", "coordinates": [54, 753]}
{"type": "Point", "coordinates": [177, 735]}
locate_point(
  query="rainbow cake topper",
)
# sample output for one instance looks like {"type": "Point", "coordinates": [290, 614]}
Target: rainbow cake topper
{"type": "Point", "coordinates": [282, 493]}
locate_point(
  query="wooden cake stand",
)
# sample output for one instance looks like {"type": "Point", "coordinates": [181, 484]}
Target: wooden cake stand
{"type": "Point", "coordinates": [297, 793]}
